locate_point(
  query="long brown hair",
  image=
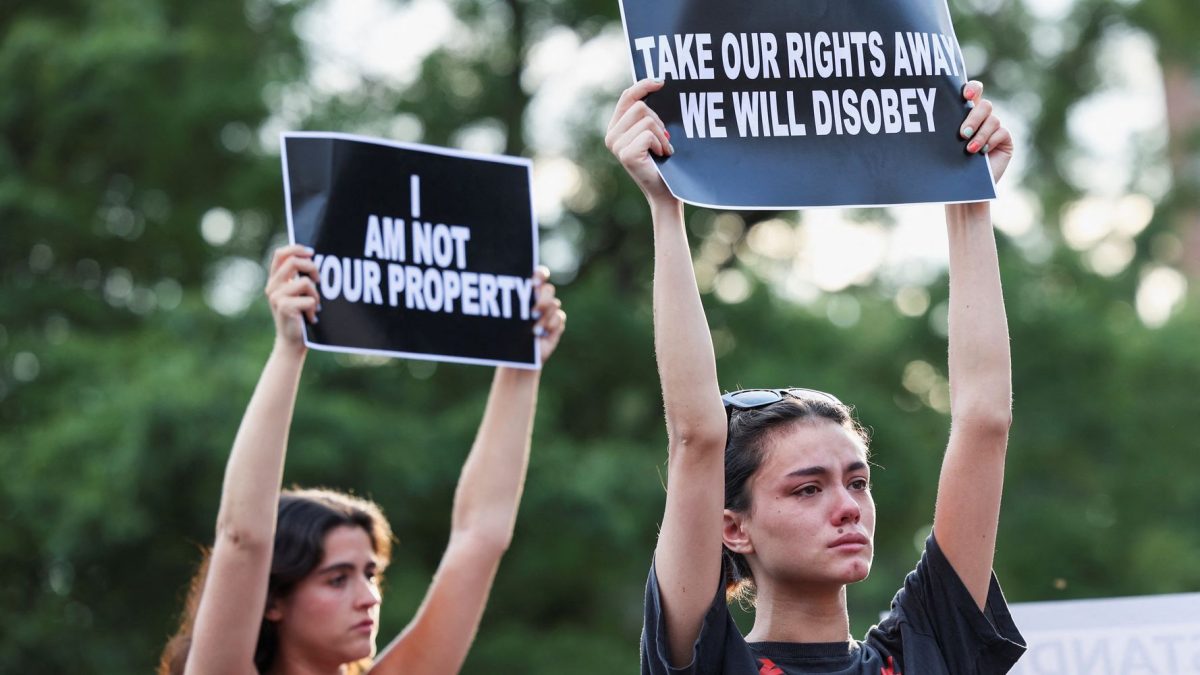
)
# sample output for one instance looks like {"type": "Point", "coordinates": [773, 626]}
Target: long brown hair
{"type": "Point", "coordinates": [304, 518]}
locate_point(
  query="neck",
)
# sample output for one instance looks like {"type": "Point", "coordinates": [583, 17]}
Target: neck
{"type": "Point", "coordinates": [289, 662]}
{"type": "Point", "coordinates": [786, 613]}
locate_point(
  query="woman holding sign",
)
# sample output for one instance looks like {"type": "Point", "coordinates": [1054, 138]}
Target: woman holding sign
{"type": "Point", "coordinates": [797, 520]}
{"type": "Point", "coordinates": [291, 584]}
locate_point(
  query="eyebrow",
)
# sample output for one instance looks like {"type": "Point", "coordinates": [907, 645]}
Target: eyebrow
{"type": "Point", "coordinates": [820, 470]}
{"type": "Point", "coordinates": [344, 567]}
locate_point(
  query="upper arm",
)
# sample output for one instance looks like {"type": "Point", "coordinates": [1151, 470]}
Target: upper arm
{"type": "Point", "coordinates": [688, 556]}
{"type": "Point", "coordinates": [439, 636]}
{"type": "Point", "coordinates": [968, 500]}
{"type": "Point", "coordinates": [230, 612]}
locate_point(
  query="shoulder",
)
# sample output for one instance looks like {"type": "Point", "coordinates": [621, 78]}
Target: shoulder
{"type": "Point", "coordinates": [719, 649]}
{"type": "Point", "coordinates": [934, 625]}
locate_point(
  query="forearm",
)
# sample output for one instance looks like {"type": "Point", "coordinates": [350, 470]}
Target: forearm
{"type": "Point", "coordinates": [254, 472]}
{"type": "Point", "coordinates": [682, 342]}
{"type": "Point", "coordinates": [493, 475]}
{"type": "Point", "coordinates": [979, 361]}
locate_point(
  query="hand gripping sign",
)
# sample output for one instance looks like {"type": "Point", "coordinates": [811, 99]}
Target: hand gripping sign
{"type": "Point", "coordinates": [807, 103]}
{"type": "Point", "coordinates": [422, 252]}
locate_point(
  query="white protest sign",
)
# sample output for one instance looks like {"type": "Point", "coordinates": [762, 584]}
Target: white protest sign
{"type": "Point", "coordinates": [1149, 635]}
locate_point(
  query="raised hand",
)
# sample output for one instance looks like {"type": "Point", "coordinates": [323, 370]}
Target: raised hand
{"type": "Point", "coordinates": [634, 132]}
{"type": "Point", "coordinates": [983, 132]}
{"type": "Point", "coordinates": [292, 292]}
{"type": "Point", "coordinates": [552, 320]}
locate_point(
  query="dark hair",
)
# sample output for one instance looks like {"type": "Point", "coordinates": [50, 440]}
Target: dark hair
{"type": "Point", "coordinates": [744, 449]}
{"type": "Point", "coordinates": [305, 517]}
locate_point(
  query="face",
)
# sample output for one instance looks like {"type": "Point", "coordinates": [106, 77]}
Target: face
{"type": "Point", "coordinates": [332, 615]}
{"type": "Point", "coordinates": [811, 520]}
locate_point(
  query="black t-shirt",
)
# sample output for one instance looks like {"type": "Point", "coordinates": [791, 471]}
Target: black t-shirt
{"type": "Point", "coordinates": [934, 628]}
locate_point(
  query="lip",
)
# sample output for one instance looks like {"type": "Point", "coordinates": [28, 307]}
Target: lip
{"type": "Point", "coordinates": [366, 625]}
{"type": "Point", "coordinates": [850, 542]}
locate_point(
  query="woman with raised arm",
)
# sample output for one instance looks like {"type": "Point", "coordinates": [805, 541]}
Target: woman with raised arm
{"type": "Point", "coordinates": [797, 520]}
{"type": "Point", "coordinates": [291, 585]}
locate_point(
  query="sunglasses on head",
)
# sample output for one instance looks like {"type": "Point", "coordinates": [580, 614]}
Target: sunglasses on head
{"type": "Point", "coordinates": [749, 399]}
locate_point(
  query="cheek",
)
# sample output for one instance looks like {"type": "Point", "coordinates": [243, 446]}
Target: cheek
{"type": "Point", "coordinates": [868, 513]}
{"type": "Point", "coordinates": [772, 512]}
{"type": "Point", "coordinates": [786, 517]}
{"type": "Point", "coordinates": [317, 601]}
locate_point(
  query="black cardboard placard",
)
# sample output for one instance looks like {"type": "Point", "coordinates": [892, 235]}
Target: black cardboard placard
{"type": "Point", "coordinates": [423, 252]}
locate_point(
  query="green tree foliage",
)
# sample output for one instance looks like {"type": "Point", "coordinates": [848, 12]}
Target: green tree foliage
{"type": "Point", "coordinates": [124, 122]}
{"type": "Point", "coordinates": [121, 388]}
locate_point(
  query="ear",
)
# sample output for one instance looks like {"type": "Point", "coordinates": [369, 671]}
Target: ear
{"type": "Point", "coordinates": [274, 612]}
{"type": "Point", "coordinates": [734, 534]}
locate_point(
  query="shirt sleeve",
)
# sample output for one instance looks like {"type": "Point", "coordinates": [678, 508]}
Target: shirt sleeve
{"type": "Point", "coordinates": [936, 627]}
{"type": "Point", "coordinates": [711, 654]}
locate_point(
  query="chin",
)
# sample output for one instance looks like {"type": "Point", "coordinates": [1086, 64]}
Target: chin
{"type": "Point", "coordinates": [858, 571]}
{"type": "Point", "coordinates": [360, 650]}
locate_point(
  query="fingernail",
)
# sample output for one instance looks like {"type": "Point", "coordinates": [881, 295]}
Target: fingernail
{"type": "Point", "coordinates": [658, 80]}
{"type": "Point", "coordinates": [970, 93]}
{"type": "Point", "coordinates": [316, 319]}
{"type": "Point", "coordinates": [537, 314]}
{"type": "Point", "coordinates": [318, 306]}
{"type": "Point", "coordinates": [667, 134]}
{"type": "Point", "coordinates": [539, 331]}
{"type": "Point", "coordinates": [309, 249]}
{"type": "Point", "coordinates": [972, 146]}
{"type": "Point", "coordinates": [670, 149]}
{"type": "Point", "coordinates": [967, 131]}
{"type": "Point", "coordinates": [986, 148]}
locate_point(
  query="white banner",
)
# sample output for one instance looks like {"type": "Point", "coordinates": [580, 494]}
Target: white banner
{"type": "Point", "coordinates": [1149, 635]}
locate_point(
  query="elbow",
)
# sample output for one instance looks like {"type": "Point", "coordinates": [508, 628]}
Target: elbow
{"type": "Point", "coordinates": [491, 542]}
{"type": "Point", "coordinates": [992, 421]}
{"type": "Point", "coordinates": [250, 540]}
{"type": "Point", "coordinates": [696, 441]}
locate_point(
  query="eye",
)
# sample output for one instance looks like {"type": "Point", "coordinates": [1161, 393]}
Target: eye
{"type": "Point", "coordinates": [808, 490]}
{"type": "Point", "coordinates": [860, 484]}
{"type": "Point", "coordinates": [338, 581]}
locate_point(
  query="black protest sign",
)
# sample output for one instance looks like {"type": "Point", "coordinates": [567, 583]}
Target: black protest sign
{"type": "Point", "coordinates": [817, 103]}
{"type": "Point", "coordinates": [422, 252]}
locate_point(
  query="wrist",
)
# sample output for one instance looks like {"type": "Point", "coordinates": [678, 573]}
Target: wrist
{"type": "Point", "coordinates": [289, 349]}
{"type": "Point", "coordinates": [666, 205]}
{"type": "Point", "coordinates": [969, 213]}
{"type": "Point", "coordinates": [509, 375]}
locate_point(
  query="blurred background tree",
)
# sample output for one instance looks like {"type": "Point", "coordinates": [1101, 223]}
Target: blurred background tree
{"type": "Point", "coordinates": [140, 195]}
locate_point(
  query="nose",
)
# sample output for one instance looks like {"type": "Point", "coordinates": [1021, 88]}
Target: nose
{"type": "Point", "coordinates": [368, 594]}
{"type": "Point", "coordinates": [846, 509]}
